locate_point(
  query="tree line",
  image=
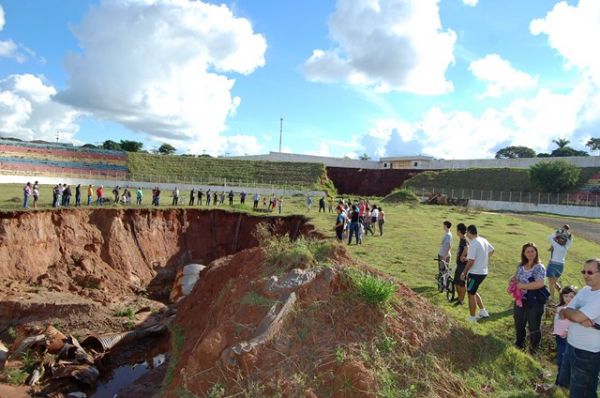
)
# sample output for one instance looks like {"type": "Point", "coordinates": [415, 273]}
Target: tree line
{"type": "Point", "coordinates": [562, 150]}
{"type": "Point", "coordinates": [132, 146]}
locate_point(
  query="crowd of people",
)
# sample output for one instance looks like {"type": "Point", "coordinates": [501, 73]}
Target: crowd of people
{"type": "Point", "coordinates": [535, 289]}
{"type": "Point", "coordinates": [356, 219]}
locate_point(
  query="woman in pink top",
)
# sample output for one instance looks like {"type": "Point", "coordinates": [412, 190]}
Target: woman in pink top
{"type": "Point", "coordinates": [561, 326]}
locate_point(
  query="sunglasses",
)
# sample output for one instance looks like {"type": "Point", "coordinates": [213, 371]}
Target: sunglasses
{"type": "Point", "coordinates": [584, 272]}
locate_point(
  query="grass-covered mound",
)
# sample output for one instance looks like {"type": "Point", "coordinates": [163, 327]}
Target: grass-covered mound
{"type": "Point", "coordinates": [301, 319]}
{"type": "Point", "coordinates": [402, 195]}
{"type": "Point", "coordinates": [205, 169]}
{"type": "Point", "coordinates": [515, 180]}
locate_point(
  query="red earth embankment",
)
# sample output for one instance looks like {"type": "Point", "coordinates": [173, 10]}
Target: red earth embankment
{"type": "Point", "coordinates": [368, 182]}
{"type": "Point", "coordinates": [120, 251]}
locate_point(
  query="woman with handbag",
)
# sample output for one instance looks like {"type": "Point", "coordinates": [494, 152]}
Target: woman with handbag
{"type": "Point", "coordinates": [530, 277]}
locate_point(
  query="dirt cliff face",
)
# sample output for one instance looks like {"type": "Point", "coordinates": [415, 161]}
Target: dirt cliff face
{"type": "Point", "coordinates": [368, 182]}
{"type": "Point", "coordinates": [122, 250]}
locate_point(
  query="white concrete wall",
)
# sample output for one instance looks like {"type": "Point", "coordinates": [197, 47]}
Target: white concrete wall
{"type": "Point", "coordinates": [563, 210]}
{"type": "Point", "coordinates": [165, 187]}
{"type": "Point", "coordinates": [442, 164]}
{"type": "Point", "coordinates": [326, 160]}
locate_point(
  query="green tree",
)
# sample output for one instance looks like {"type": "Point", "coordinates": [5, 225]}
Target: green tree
{"type": "Point", "coordinates": [166, 149]}
{"type": "Point", "coordinates": [514, 152]}
{"type": "Point", "coordinates": [593, 144]}
{"type": "Point", "coordinates": [565, 150]}
{"type": "Point", "coordinates": [111, 145]}
{"type": "Point", "coordinates": [131, 146]}
{"type": "Point", "coordinates": [561, 142]}
{"type": "Point", "coordinates": [568, 151]}
{"type": "Point", "coordinates": [555, 176]}
{"type": "Point", "coordinates": [364, 156]}
{"type": "Point", "coordinates": [89, 146]}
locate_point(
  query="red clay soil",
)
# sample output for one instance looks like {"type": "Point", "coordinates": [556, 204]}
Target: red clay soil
{"type": "Point", "coordinates": [368, 182]}
{"type": "Point", "coordinates": [326, 347]}
{"type": "Point", "coordinates": [113, 252]}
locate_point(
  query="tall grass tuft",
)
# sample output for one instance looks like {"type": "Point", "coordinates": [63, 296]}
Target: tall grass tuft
{"type": "Point", "coordinates": [373, 289]}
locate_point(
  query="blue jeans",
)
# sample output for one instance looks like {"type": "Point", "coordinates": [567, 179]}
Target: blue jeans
{"type": "Point", "coordinates": [561, 346]}
{"type": "Point", "coordinates": [25, 201]}
{"type": "Point", "coordinates": [89, 202]}
{"type": "Point", "coordinates": [354, 228]}
{"type": "Point", "coordinates": [579, 371]}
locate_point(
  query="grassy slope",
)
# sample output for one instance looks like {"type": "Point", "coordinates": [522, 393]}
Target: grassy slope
{"type": "Point", "coordinates": [406, 251]}
{"type": "Point", "coordinates": [184, 168]}
{"type": "Point", "coordinates": [482, 179]}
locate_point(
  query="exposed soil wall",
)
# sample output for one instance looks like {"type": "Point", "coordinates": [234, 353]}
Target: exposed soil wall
{"type": "Point", "coordinates": [122, 250]}
{"type": "Point", "coordinates": [368, 182]}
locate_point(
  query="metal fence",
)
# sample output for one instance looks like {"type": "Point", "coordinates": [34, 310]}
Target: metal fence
{"type": "Point", "coordinates": [591, 199]}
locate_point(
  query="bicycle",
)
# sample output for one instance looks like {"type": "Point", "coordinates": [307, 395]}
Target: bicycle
{"type": "Point", "coordinates": [444, 279]}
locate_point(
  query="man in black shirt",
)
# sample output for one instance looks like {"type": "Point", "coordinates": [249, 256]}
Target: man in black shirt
{"type": "Point", "coordinates": [461, 261]}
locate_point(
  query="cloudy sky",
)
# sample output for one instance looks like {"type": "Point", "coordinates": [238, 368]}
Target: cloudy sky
{"type": "Point", "coordinates": [446, 78]}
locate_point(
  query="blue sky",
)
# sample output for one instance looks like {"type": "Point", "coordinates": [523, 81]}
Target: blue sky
{"type": "Point", "coordinates": [448, 78]}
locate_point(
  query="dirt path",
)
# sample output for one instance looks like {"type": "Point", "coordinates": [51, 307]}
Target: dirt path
{"type": "Point", "coordinates": [586, 229]}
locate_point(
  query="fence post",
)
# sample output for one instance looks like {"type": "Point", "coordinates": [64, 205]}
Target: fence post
{"type": "Point", "coordinates": [548, 197]}
{"type": "Point", "coordinates": [539, 196]}
{"type": "Point", "coordinates": [529, 197]}
{"type": "Point", "coordinates": [481, 195]}
{"type": "Point", "coordinates": [491, 195]}
{"type": "Point", "coordinates": [452, 195]}
{"type": "Point", "coordinates": [472, 194]}
{"type": "Point", "coordinates": [500, 196]}
{"type": "Point", "coordinates": [463, 194]}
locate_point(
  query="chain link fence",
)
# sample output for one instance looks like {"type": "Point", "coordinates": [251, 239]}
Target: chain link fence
{"type": "Point", "coordinates": [591, 199]}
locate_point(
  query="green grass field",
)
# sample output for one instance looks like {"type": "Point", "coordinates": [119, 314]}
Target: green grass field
{"type": "Point", "coordinates": [406, 251]}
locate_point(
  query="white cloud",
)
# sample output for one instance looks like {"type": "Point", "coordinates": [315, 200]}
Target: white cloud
{"type": "Point", "coordinates": [501, 77]}
{"type": "Point", "coordinates": [2, 20]}
{"type": "Point", "coordinates": [471, 3]}
{"type": "Point", "coordinates": [27, 110]}
{"type": "Point", "coordinates": [532, 122]}
{"type": "Point", "coordinates": [162, 69]}
{"type": "Point", "coordinates": [573, 31]}
{"type": "Point", "coordinates": [391, 45]}
{"type": "Point", "coordinates": [8, 48]}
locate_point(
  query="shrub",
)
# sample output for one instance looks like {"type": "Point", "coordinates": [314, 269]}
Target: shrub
{"type": "Point", "coordinates": [554, 176]}
{"type": "Point", "coordinates": [373, 289]}
{"type": "Point", "coordinates": [127, 312]}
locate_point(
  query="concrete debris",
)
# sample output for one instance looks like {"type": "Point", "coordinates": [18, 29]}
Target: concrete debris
{"type": "Point", "coordinates": [185, 281]}
{"type": "Point", "coordinates": [27, 343]}
{"type": "Point", "coordinates": [55, 340]}
{"type": "Point", "coordinates": [77, 394]}
{"type": "Point", "coordinates": [86, 374]}
{"type": "Point", "coordinates": [3, 355]}
{"type": "Point", "coordinates": [36, 375]}
{"type": "Point", "coordinates": [291, 281]}
{"type": "Point", "coordinates": [268, 327]}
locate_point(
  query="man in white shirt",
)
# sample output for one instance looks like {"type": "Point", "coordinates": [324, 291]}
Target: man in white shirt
{"type": "Point", "coordinates": [445, 247]}
{"type": "Point", "coordinates": [581, 362]}
{"type": "Point", "coordinates": [478, 257]}
{"type": "Point", "coordinates": [560, 245]}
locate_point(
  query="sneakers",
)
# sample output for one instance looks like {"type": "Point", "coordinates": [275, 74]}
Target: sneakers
{"type": "Point", "coordinates": [473, 319]}
{"type": "Point", "coordinates": [457, 303]}
{"type": "Point", "coordinates": [483, 314]}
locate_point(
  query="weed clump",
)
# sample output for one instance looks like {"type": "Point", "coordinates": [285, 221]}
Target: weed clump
{"type": "Point", "coordinates": [373, 289]}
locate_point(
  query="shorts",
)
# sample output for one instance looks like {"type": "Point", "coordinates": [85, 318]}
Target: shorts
{"type": "Point", "coordinates": [460, 267]}
{"type": "Point", "coordinates": [473, 282]}
{"type": "Point", "coordinates": [554, 270]}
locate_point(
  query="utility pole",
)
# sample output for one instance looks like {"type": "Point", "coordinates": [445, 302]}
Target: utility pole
{"type": "Point", "coordinates": [280, 132]}
{"type": "Point", "coordinates": [57, 135]}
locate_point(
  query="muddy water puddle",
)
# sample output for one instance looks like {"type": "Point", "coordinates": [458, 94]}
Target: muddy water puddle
{"type": "Point", "coordinates": [125, 376]}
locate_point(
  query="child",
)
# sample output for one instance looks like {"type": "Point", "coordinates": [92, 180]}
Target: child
{"type": "Point", "coordinates": [561, 326]}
